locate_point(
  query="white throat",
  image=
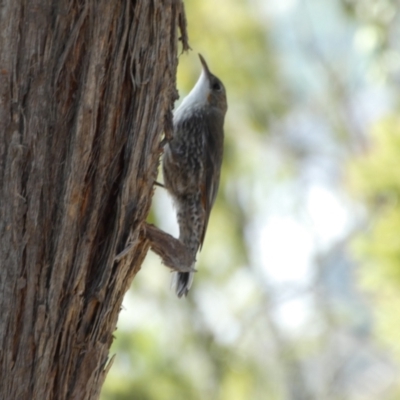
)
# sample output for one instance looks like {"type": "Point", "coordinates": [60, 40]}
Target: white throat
{"type": "Point", "coordinates": [198, 96]}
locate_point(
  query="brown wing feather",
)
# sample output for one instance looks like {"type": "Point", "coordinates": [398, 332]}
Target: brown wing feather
{"type": "Point", "coordinates": [212, 156]}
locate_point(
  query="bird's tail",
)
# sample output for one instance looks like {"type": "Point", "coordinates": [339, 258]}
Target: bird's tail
{"type": "Point", "coordinates": [182, 281]}
{"type": "Point", "coordinates": [190, 220]}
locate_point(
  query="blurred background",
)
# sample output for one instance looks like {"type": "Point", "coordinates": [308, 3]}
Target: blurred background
{"type": "Point", "coordinates": [298, 291]}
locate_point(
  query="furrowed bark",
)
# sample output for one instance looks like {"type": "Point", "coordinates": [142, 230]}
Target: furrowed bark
{"type": "Point", "coordinates": [86, 91]}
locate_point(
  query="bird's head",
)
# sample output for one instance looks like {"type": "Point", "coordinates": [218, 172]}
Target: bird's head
{"type": "Point", "coordinates": [215, 89]}
{"type": "Point", "coordinates": [208, 91]}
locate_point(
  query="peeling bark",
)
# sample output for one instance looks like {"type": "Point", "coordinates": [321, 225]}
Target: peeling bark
{"type": "Point", "coordinates": [86, 91]}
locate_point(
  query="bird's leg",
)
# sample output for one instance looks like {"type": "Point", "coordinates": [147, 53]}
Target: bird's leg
{"type": "Point", "coordinates": [159, 184]}
{"type": "Point", "coordinates": [167, 139]}
{"type": "Point", "coordinates": [168, 130]}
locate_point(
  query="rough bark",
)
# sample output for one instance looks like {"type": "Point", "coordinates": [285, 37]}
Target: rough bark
{"type": "Point", "coordinates": [86, 91]}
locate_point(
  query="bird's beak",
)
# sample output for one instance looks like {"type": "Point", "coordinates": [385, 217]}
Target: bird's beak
{"type": "Point", "coordinates": [205, 66]}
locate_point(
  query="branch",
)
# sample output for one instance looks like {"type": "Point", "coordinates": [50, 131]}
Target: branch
{"type": "Point", "coordinates": [173, 252]}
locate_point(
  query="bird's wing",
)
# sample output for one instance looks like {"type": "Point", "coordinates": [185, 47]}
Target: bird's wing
{"type": "Point", "coordinates": [212, 156]}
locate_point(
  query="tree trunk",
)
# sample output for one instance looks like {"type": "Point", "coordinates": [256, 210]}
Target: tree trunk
{"type": "Point", "coordinates": [86, 91]}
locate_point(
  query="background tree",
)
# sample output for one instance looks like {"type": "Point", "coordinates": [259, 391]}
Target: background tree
{"type": "Point", "coordinates": [86, 90]}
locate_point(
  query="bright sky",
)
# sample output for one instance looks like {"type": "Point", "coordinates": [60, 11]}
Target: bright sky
{"type": "Point", "coordinates": [287, 247]}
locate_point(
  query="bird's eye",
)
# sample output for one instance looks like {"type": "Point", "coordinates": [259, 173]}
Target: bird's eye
{"type": "Point", "coordinates": [217, 87]}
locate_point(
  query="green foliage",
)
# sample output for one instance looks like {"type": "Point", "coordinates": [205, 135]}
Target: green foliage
{"type": "Point", "coordinates": [375, 178]}
{"type": "Point", "coordinates": [136, 351]}
{"type": "Point", "coordinates": [179, 373]}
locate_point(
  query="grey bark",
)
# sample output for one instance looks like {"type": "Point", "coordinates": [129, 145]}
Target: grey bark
{"type": "Point", "coordinates": [86, 91]}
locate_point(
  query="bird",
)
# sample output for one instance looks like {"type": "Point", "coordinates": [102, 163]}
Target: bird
{"type": "Point", "coordinates": [192, 163]}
